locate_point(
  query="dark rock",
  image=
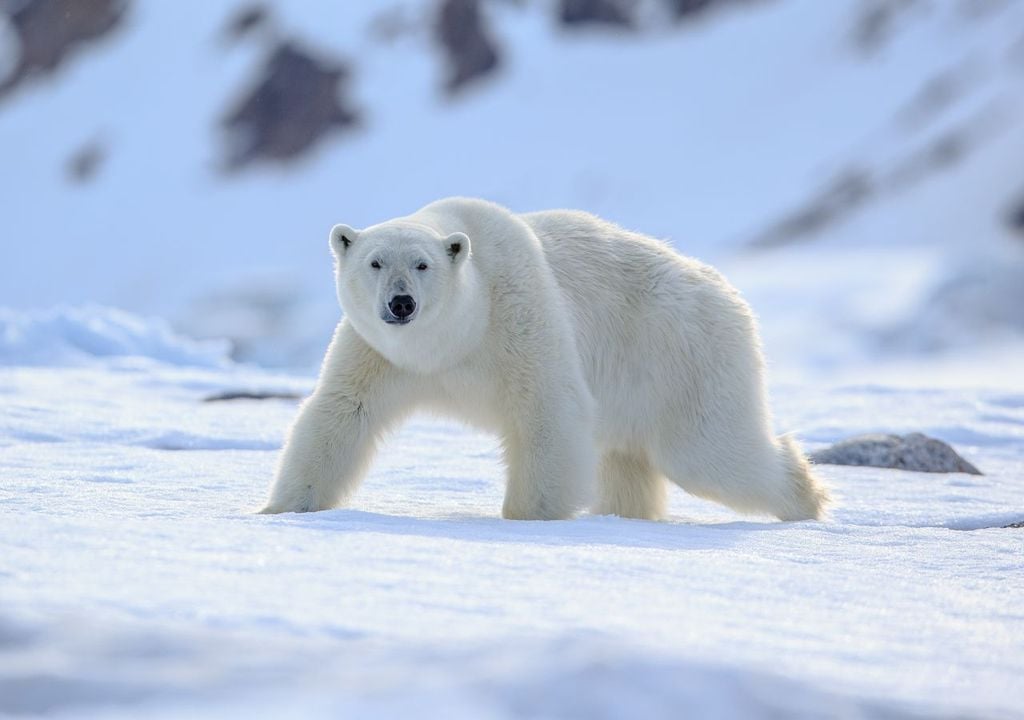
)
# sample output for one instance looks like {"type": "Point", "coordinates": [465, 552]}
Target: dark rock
{"type": "Point", "coordinates": [1017, 525]}
{"type": "Point", "coordinates": [690, 9]}
{"type": "Point", "coordinates": [937, 95]}
{"type": "Point", "coordinates": [940, 153]}
{"type": "Point", "coordinates": [846, 193]}
{"type": "Point", "coordinates": [296, 101]}
{"type": "Point", "coordinates": [877, 22]}
{"type": "Point", "coordinates": [462, 33]}
{"type": "Point", "coordinates": [247, 20]}
{"type": "Point", "coordinates": [51, 31]}
{"type": "Point", "coordinates": [229, 395]}
{"type": "Point", "coordinates": [83, 164]}
{"type": "Point", "coordinates": [904, 452]}
{"type": "Point", "coordinates": [1016, 218]}
{"type": "Point", "coordinates": [618, 13]}
{"type": "Point", "coordinates": [682, 8]}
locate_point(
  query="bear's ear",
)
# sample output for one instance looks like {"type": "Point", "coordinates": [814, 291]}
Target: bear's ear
{"type": "Point", "coordinates": [457, 247]}
{"type": "Point", "coordinates": [342, 237]}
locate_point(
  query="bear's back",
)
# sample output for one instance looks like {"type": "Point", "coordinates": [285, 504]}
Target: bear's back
{"type": "Point", "coordinates": [640, 313]}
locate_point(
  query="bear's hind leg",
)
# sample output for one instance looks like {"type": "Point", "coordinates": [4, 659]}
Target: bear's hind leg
{"type": "Point", "coordinates": [630, 487]}
{"type": "Point", "coordinates": [763, 475]}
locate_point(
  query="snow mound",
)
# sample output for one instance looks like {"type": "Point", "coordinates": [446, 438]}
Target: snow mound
{"type": "Point", "coordinates": [80, 335]}
{"type": "Point", "coordinates": [154, 674]}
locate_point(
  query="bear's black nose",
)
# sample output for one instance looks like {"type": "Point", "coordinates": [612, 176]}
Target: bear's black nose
{"type": "Point", "coordinates": [402, 306]}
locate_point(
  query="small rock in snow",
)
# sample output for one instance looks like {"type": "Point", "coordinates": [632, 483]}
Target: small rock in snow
{"type": "Point", "coordinates": [905, 452]}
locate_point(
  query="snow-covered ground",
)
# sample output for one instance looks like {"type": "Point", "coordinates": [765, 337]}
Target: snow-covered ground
{"type": "Point", "coordinates": [135, 578]}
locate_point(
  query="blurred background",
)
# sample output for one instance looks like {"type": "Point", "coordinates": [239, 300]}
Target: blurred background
{"type": "Point", "coordinates": [855, 166]}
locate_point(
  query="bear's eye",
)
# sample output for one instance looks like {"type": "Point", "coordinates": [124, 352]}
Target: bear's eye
{"type": "Point", "coordinates": [375, 265]}
{"type": "Point", "coordinates": [421, 266]}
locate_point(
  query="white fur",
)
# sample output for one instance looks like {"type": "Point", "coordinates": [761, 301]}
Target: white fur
{"type": "Point", "coordinates": [593, 352]}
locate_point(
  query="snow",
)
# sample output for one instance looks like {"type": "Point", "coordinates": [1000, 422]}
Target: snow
{"type": "Point", "coordinates": [136, 578]}
{"type": "Point", "coordinates": [73, 335]}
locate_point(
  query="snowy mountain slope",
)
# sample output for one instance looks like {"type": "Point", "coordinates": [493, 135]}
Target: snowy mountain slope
{"type": "Point", "coordinates": [135, 577]}
{"type": "Point", "coordinates": [710, 134]}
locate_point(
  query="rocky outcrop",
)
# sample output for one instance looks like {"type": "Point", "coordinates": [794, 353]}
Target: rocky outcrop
{"type": "Point", "coordinates": [577, 13]}
{"type": "Point", "coordinates": [879, 20]}
{"type": "Point", "coordinates": [246, 21]}
{"type": "Point", "coordinates": [1016, 217]}
{"type": "Point", "coordinates": [686, 9]}
{"type": "Point", "coordinates": [623, 13]}
{"type": "Point", "coordinates": [846, 193]}
{"type": "Point", "coordinates": [904, 452]}
{"type": "Point", "coordinates": [85, 162]}
{"type": "Point", "coordinates": [469, 50]}
{"type": "Point", "coordinates": [51, 31]}
{"type": "Point", "coordinates": [296, 101]}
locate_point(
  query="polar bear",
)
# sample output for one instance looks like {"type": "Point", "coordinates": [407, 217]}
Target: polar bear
{"type": "Point", "coordinates": [593, 352]}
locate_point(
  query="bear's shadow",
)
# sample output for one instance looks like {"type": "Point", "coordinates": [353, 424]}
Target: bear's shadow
{"type": "Point", "coordinates": [674, 534]}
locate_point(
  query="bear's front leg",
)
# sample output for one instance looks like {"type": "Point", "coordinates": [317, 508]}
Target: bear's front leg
{"type": "Point", "coordinates": [332, 442]}
{"type": "Point", "coordinates": [551, 455]}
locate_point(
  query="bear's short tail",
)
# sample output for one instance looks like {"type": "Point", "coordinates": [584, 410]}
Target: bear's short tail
{"type": "Point", "coordinates": [808, 497]}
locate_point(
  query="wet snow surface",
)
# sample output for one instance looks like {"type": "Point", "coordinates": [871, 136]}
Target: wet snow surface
{"type": "Point", "coordinates": [136, 578]}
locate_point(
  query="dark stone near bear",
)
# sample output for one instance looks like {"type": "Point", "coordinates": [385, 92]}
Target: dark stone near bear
{"type": "Point", "coordinates": [904, 452]}
{"type": "Point", "coordinates": [51, 31]}
{"type": "Point", "coordinates": [462, 33]}
{"type": "Point", "coordinates": [617, 13]}
{"type": "Point", "coordinates": [229, 395]}
{"type": "Point", "coordinates": [296, 102]}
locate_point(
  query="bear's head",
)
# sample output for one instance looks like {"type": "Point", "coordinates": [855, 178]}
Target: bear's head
{"type": "Point", "coordinates": [396, 278]}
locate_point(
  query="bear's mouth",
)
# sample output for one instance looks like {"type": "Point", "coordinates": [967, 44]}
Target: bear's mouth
{"type": "Point", "coordinates": [391, 319]}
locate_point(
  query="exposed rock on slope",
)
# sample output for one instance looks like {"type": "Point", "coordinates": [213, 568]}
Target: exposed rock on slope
{"type": "Point", "coordinates": [49, 31]}
{"type": "Point", "coordinates": [296, 102]}
{"type": "Point", "coordinates": [246, 21]}
{"type": "Point", "coordinates": [467, 44]}
{"type": "Point", "coordinates": [1016, 217]}
{"type": "Point", "coordinates": [596, 12]}
{"type": "Point", "coordinates": [687, 8]}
